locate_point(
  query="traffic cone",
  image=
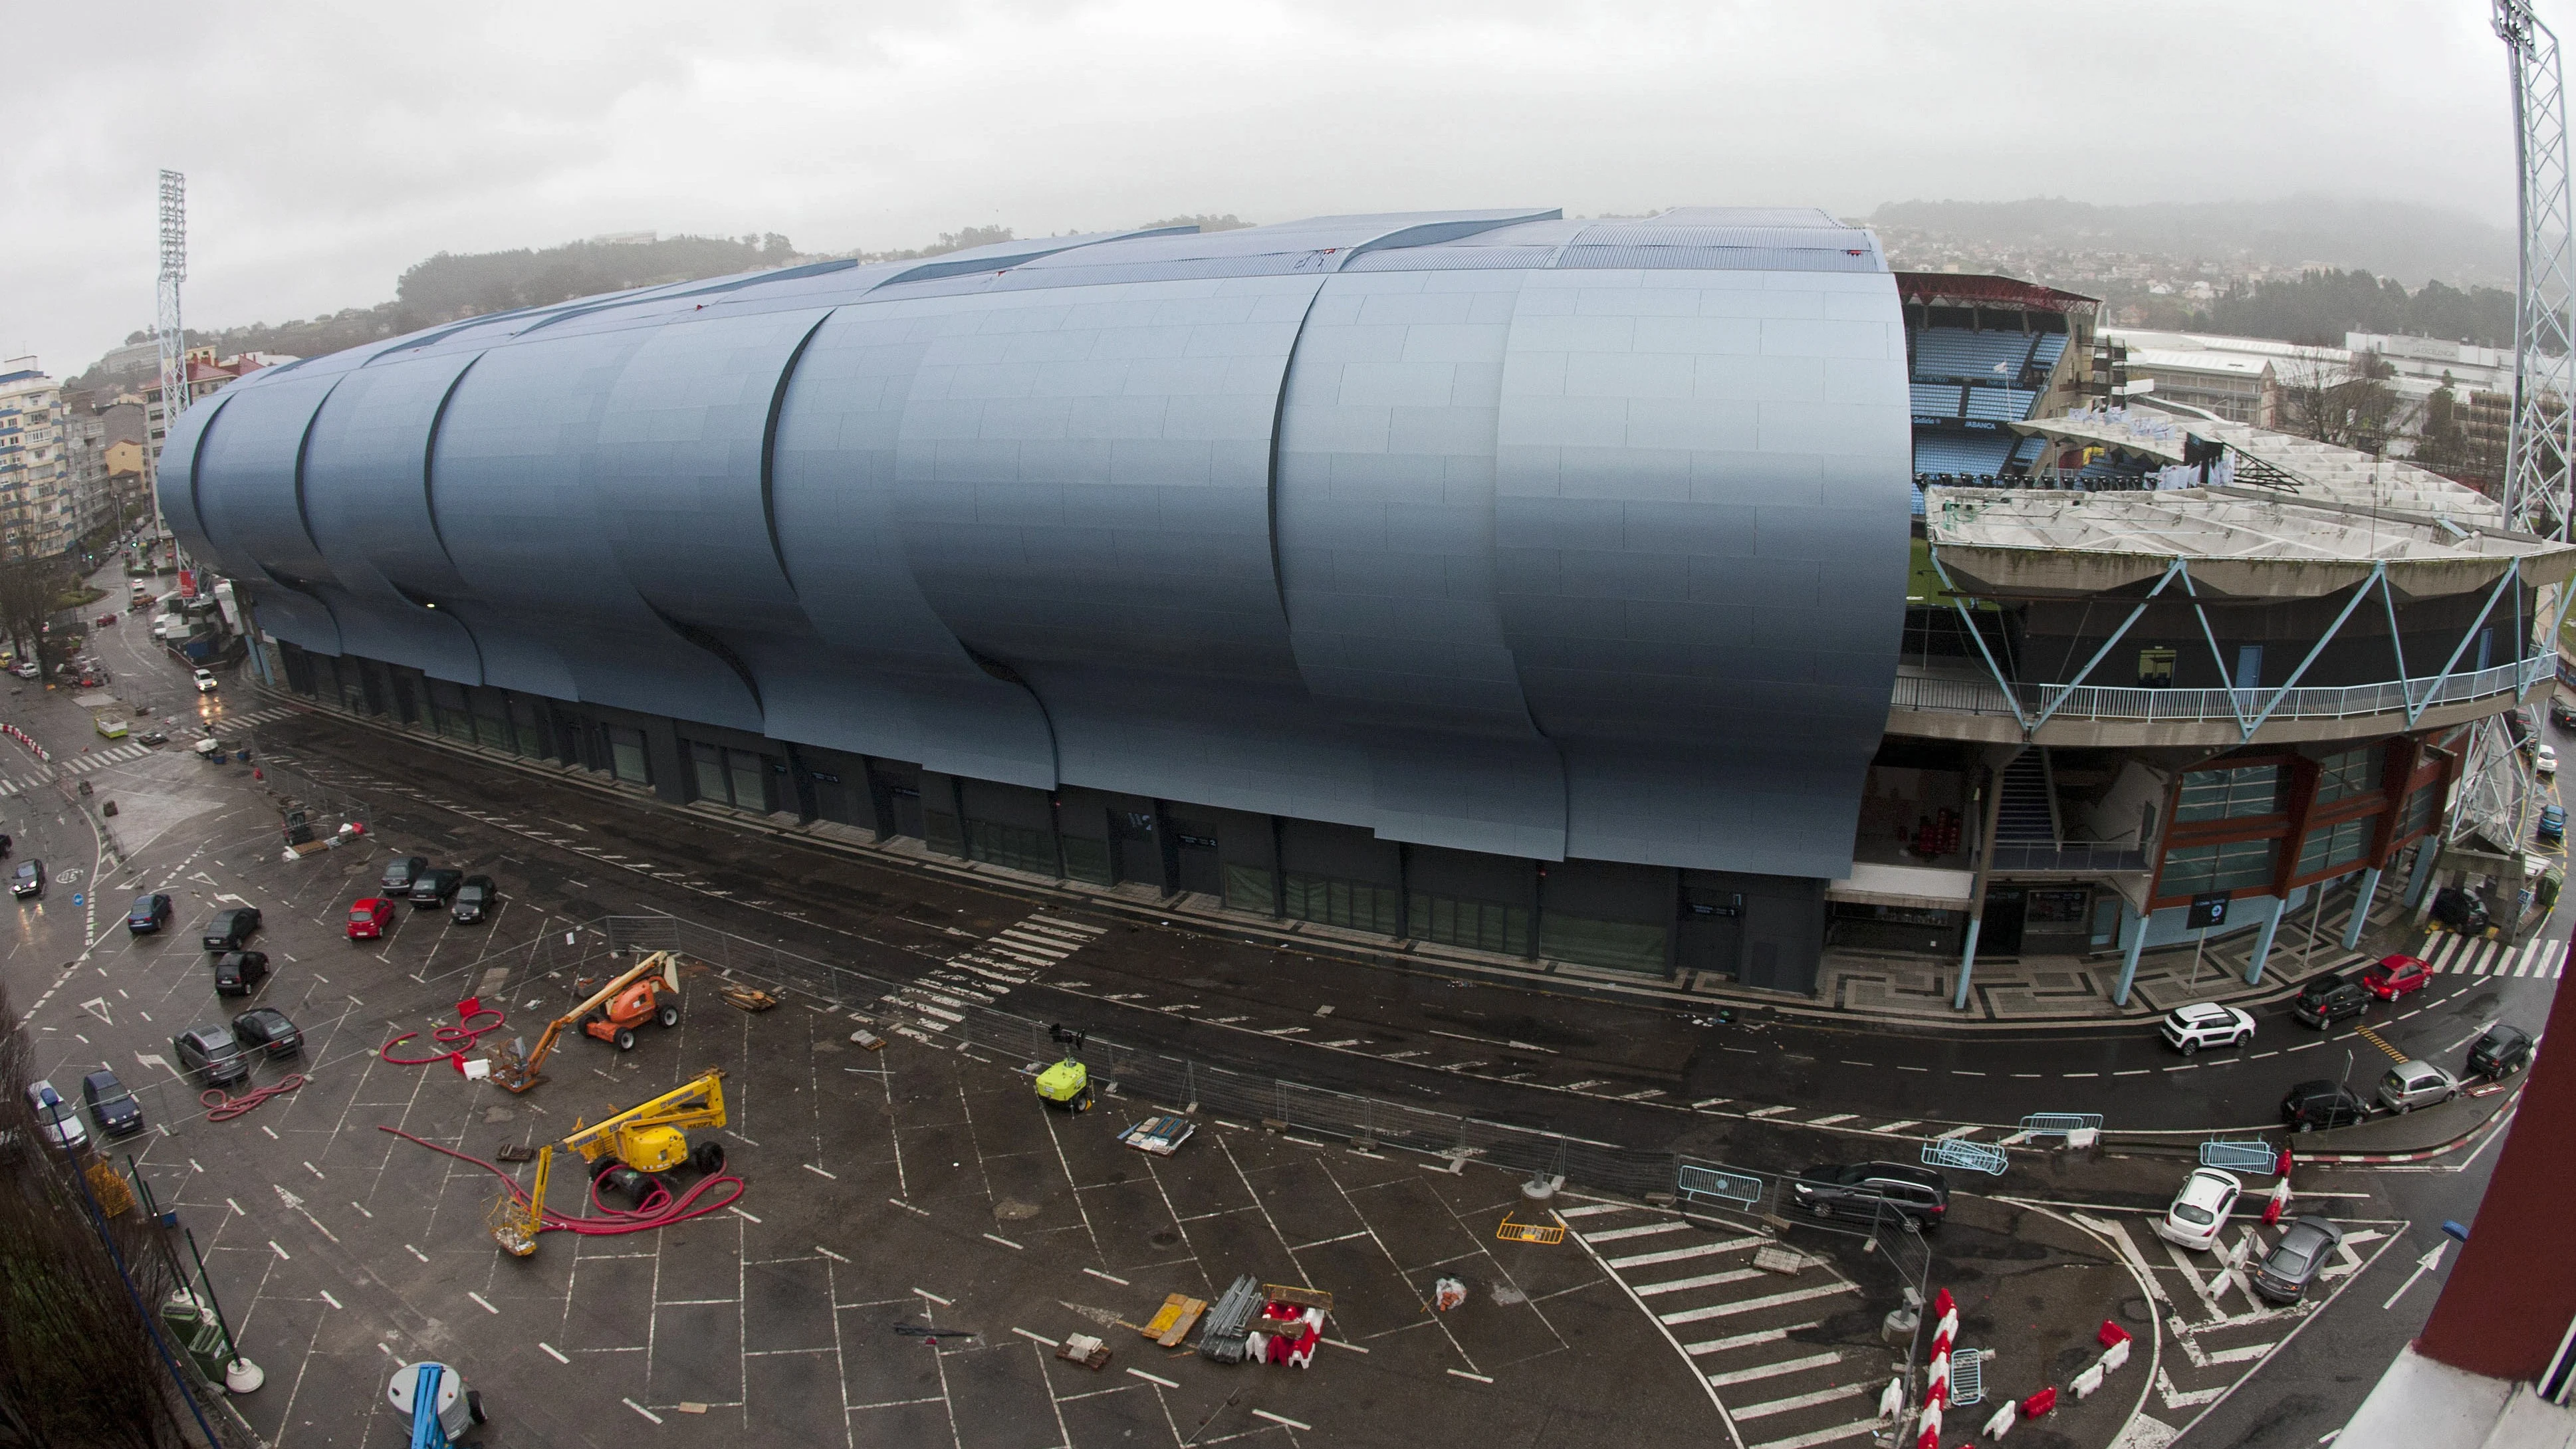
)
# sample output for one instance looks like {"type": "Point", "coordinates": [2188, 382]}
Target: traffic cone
{"type": "Point", "coordinates": [2282, 1167]}
{"type": "Point", "coordinates": [2280, 1200]}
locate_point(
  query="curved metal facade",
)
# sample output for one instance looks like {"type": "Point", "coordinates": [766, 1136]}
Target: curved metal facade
{"type": "Point", "coordinates": [1478, 529]}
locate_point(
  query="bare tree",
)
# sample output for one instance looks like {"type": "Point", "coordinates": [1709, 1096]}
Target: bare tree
{"type": "Point", "coordinates": [30, 591]}
{"type": "Point", "coordinates": [2349, 405]}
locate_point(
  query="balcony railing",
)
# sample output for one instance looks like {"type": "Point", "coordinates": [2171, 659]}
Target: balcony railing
{"type": "Point", "coordinates": [2076, 855]}
{"type": "Point", "coordinates": [1955, 695]}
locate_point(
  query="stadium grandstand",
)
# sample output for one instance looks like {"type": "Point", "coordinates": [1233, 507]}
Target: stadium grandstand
{"type": "Point", "coordinates": [1982, 353]}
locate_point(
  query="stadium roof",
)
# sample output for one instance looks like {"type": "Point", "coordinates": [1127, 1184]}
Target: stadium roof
{"type": "Point", "coordinates": [1978, 289]}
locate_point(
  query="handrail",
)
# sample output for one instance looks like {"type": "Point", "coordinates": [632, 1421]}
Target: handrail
{"type": "Point", "coordinates": [2219, 706]}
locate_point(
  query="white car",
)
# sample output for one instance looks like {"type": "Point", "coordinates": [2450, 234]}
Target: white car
{"type": "Point", "coordinates": [2547, 763]}
{"type": "Point", "coordinates": [206, 682]}
{"type": "Point", "coordinates": [2199, 1211]}
{"type": "Point", "coordinates": [55, 1118]}
{"type": "Point", "coordinates": [2205, 1023]}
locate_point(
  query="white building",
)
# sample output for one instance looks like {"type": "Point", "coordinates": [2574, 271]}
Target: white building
{"type": "Point", "coordinates": [36, 517]}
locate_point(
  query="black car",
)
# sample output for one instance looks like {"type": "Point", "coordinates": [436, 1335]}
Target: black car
{"type": "Point", "coordinates": [2503, 1051]}
{"type": "Point", "coordinates": [2461, 911]}
{"type": "Point", "coordinates": [28, 879]}
{"type": "Point", "coordinates": [229, 929]}
{"type": "Point", "coordinates": [401, 871]}
{"type": "Point", "coordinates": [476, 899]}
{"type": "Point", "coordinates": [266, 1029]}
{"type": "Point", "coordinates": [149, 915]}
{"type": "Point", "coordinates": [2285, 1272]}
{"type": "Point", "coordinates": [2328, 999]}
{"type": "Point", "coordinates": [238, 973]}
{"type": "Point", "coordinates": [433, 887]}
{"type": "Point", "coordinates": [1863, 1189]}
{"type": "Point", "coordinates": [2311, 1105]}
{"type": "Point", "coordinates": [211, 1053]}
{"type": "Point", "coordinates": [110, 1105]}
{"type": "Point", "coordinates": [2562, 714]}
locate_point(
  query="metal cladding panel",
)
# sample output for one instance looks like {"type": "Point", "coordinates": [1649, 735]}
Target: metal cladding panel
{"type": "Point", "coordinates": [247, 488]}
{"type": "Point", "coordinates": [1386, 557]}
{"type": "Point", "coordinates": [682, 434]}
{"type": "Point", "coordinates": [526, 499]}
{"type": "Point", "coordinates": [175, 482]}
{"type": "Point", "coordinates": [1701, 547]}
{"type": "Point", "coordinates": [366, 498]}
{"type": "Point", "coordinates": [883, 676]}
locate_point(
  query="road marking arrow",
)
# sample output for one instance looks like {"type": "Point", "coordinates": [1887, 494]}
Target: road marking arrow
{"type": "Point", "coordinates": [2423, 1265]}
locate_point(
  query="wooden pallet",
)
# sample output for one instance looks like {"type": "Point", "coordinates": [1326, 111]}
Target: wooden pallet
{"type": "Point", "coordinates": [1174, 1320]}
{"type": "Point", "coordinates": [747, 998]}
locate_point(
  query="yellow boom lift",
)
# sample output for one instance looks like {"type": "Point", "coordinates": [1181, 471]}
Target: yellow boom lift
{"type": "Point", "coordinates": [631, 998]}
{"type": "Point", "coordinates": [629, 1152]}
{"type": "Point", "coordinates": [515, 1225]}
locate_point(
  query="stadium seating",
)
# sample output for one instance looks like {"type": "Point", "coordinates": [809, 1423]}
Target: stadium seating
{"type": "Point", "coordinates": [1936, 400]}
{"type": "Point", "coordinates": [2000, 404]}
{"type": "Point", "coordinates": [2052, 346]}
{"type": "Point", "coordinates": [2030, 451]}
{"type": "Point", "coordinates": [1956, 354]}
{"type": "Point", "coordinates": [1970, 453]}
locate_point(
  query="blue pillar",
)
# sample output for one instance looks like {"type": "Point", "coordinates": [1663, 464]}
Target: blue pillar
{"type": "Point", "coordinates": [2263, 940]}
{"type": "Point", "coordinates": [2427, 851]}
{"type": "Point", "coordinates": [2361, 909]}
{"type": "Point", "coordinates": [1967, 964]}
{"type": "Point", "coordinates": [2136, 926]}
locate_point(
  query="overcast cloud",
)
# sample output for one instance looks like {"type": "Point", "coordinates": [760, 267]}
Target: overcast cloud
{"type": "Point", "coordinates": [328, 146]}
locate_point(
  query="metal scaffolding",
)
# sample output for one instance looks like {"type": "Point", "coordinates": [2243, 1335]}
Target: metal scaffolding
{"type": "Point", "coordinates": [2544, 426]}
{"type": "Point", "coordinates": [166, 325]}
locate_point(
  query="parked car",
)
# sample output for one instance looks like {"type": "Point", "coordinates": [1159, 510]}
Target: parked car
{"type": "Point", "coordinates": [1863, 1189]}
{"type": "Point", "coordinates": [149, 914]}
{"type": "Point", "coordinates": [2328, 999]}
{"type": "Point", "coordinates": [107, 621]}
{"type": "Point", "coordinates": [435, 886]}
{"type": "Point", "coordinates": [2321, 1103]}
{"type": "Point", "coordinates": [110, 1105]}
{"type": "Point", "coordinates": [27, 882]}
{"type": "Point", "coordinates": [2286, 1271]}
{"type": "Point", "coordinates": [2411, 1084]}
{"type": "Point", "coordinates": [229, 929]}
{"type": "Point", "coordinates": [212, 1055]}
{"type": "Point", "coordinates": [2461, 911]}
{"type": "Point", "coordinates": [370, 917]}
{"type": "Point", "coordinates": [2546, 762]}
{"type": "Point", "coordinates": [206, 681]}
{"type": "Point", "coordinates": [266, 1029]}
{"type": "Point", "coordinates": [2205, 1023]}
{"type": "Point", "coordinates": [2503, 1051]}
{"type": "Point", "coordinates": [238, 973]}
{"type": "Point", "coordinates": [2562, 713]}
{"type": "Point", "coordinates": [476, 899]}
{"type": "Point", "coordinates": [2391, 977]}
{"type": "Point", "coordinates": [2199, 1211]}
{"type": "Point", "coordinates": [56, 1122]}
{"type": "Point", "coordinates": [2552, 829]}
{"type": "Point", "coordinates": [401, 871]}
{"type": "Point", "coordinates": [152, 737]}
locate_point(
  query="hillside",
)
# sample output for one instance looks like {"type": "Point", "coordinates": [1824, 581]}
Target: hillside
{"type": "Point", "coordinates": [2388, 238]}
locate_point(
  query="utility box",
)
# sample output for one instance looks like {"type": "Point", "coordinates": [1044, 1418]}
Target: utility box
{"type": "Point", "coordinates": [194, 1332]}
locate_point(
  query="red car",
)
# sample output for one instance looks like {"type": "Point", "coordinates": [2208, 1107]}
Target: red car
{"type": "Point", "coordinates": [369, 917]}
{"type": "Point", "coordinates": [106, 619]}
{"type": "Point", "coordinates": [2394, 976]}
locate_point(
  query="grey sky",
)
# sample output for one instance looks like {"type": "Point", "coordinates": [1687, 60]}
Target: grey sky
{"type": "Point", "coordinates": [329, 146]}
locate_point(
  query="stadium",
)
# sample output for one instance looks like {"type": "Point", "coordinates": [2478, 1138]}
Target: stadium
{"type": "Point", "coordinates": [1689, 599]}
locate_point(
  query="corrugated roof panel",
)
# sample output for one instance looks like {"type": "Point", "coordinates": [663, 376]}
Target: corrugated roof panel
{"type": "Point", "coordinates": [1798, 216]}
{"type": "Point", "coordinates": [1717, 259]}
{"type": "Point", "coordinates": [1628, 234]}
{"type": "Point", "coordinates": [1461, 257]}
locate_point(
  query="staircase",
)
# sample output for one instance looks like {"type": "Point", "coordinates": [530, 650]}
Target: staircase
{"type": "Point", "coordinates": [2026, 815]}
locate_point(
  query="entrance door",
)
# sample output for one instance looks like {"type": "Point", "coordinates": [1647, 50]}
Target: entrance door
{"type": "Point", "coordinates": [907, 812]}
{"type": "Point", "coordinates": [2249, 666]}
{"type": "Point", "coordinates": [1196, 856]}
{"type": "Point", "coordinates": [1140, 850]}
{"type": "Point", "coordinates": [1711, 937]}
{"type": "Point", "coordinates": [2001, 933]}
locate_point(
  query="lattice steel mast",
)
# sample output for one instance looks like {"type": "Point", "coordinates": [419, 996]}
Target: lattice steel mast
{"type": "Point", "coordinates": [2544, 379]}
{"type": "Point", "coordinates": [166, 325]}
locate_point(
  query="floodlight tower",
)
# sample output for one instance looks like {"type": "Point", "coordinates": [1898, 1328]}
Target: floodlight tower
{"type": "Point", "coordinates": [166, 324]}
{"type": "Point", "coordinates": [2544, 376]}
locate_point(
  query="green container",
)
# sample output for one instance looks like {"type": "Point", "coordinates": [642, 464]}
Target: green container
{"type": "Point", "coordinates": [194, 1332]}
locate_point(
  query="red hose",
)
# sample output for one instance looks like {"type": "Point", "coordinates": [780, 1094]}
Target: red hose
{"type": "Point", "coordinates": [221, 1108]}
{"type": "Point", "coordinates": [659, 1209]}
{"type": "Point", "coordinates": [458, 1039]}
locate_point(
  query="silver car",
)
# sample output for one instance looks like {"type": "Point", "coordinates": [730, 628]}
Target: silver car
{"type": "Point", "coordinates": [2286, 1271]}
{"type": "Point", "coordinates": [2409, 1085]}
{"type": "Point", "coordinates": [55, 1119]}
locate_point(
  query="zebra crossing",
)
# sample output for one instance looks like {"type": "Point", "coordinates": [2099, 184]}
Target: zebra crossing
{"type": "Point", "coordinates": [986, 971]}
{"type": "Point", "coordinates": [261, 716]}
{"type": "Point", "coordinates": [74, 765]}
{"type": "Point", "coordinates": [2456, 955]}
{"type": "Point", "coordinates": [1758, 1337]}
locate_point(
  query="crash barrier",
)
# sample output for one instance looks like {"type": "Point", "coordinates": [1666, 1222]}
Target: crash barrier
{"type": "Point", "coordinates": [2254, 1156]}
{"type": "Point", "coordinates": [1158, 1076]}
{"type": "Point", "coordinates": [1711, 1183]}
{"type": "Point", "coordinates": [2060, 1124]}
{"type": "Point", "coordinates": [1972, 1156]}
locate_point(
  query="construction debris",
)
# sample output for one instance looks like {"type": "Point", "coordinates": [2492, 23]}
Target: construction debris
{"type": "Point", "coordinates": [1085, 1350]}
{"type": "Point", "coordinates": [1160, 1135]}
{"type": "Point", "coordinates": [1173, 1321]}
{"type": "Point", "coordinates": [748, 998]}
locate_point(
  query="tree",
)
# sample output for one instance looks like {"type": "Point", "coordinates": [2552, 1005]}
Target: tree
{"type": "Point", "coordinates": [30, 589]}
{"type": "Point", "coordinates": [2346, 405]}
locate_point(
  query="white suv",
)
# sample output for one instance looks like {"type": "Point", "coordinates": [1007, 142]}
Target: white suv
{"type": "Point", "coordinates": [2204, 1023]}
{"type": "Point", "coordinates": [206, 683]}
{"type": "Point", "coordinates": [2199, 1211]}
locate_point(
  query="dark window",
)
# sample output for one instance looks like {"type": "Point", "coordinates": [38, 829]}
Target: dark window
{"type": "Point", "coordinates": [1476, 925]}
{"type": "Point", "coordinates": [2354, 772]}
{"type": "Point", "coordinates": [2422, 809]}
{"type": "Point", "coordinates": [626, 758]}
{"type": "Point", "coordinates": [1010, 845]}
{"type": "Point", "coordinates": [1356, 904]}
{"type": "Point", "coordinates": [1247, 887]}
{"type": "Point", "coordinates": [2236, 865]}
{"type": "Point", "coordinates": [1618, 945]}
{"type": "Point", "coordinates": [2330, 846]}
{"type": "Point", "coordinates": [2229, 794]}
{"type": "Point", "coordinates": [1088, 860]}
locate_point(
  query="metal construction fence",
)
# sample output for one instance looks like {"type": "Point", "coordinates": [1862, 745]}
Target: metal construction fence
{"type": "Point", "coordinates": [1183, 1082]}
{"type": "Point", "coordinates": [1963, 694]}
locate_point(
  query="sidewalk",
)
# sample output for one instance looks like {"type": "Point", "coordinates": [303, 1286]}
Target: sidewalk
{"type": "Point", "coordinates": [2032, 994]}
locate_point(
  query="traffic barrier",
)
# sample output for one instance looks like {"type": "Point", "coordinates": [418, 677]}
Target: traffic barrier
{"type": "Point", "coordinates": [2278, 1203]}
{"type": "Point", "coordinates": [2085, 1383]}
{"type": "Point", "coordinates": [2110, 1333]}
{"type": "Point", "coordinates": [2003, 1420]}
{"type": "Point", "coordinates": [2039, 1403]}
{"type": "Point", "coordinates": [2117, 1355]}
{"type": "Point", "coordinates": [1891, 1400]}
